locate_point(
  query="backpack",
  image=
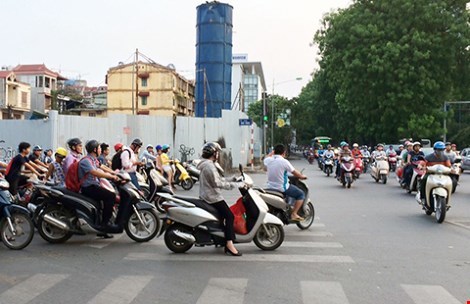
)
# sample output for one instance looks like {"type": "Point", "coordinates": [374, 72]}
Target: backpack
{"type": "Point", "coordinates": [116, 162]}
{"type": "Point", "coordinates": [72, 181]}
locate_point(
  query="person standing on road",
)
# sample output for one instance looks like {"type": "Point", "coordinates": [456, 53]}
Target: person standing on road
{"type": "Point", "coordinates": [211, 184]}
{"type": "Point", "coordinates": [278, 168]}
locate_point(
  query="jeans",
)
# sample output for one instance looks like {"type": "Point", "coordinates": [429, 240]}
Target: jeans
{"type": "Point", "coordinates": [134, 179]}
{"type": "Point", "coordinates": [100, 194]}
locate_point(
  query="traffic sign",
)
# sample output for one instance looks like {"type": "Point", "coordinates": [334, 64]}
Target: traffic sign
{"type": "Point", "coordinates": [245, 122]}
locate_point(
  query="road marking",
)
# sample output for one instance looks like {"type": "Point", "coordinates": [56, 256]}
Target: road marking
{"type": "Point", "coordinates": [308, 233]}
{"type": "Point", "coordinates": [159, 242]}
{"type": "Point", "coordinates": [429, 294]}
{"type": "Point", "coordinates": [122, 290]}
{"type": "Point", "coordinates": [100, 243]}
{"type": "Point", "coordinates": [207, 257]}
{"type": "Point", "coordinates": [223, 290]}
{"type": "Point", "coordinates": [32, 287]}
{"type": "Point", "coordinates": [317, 292]}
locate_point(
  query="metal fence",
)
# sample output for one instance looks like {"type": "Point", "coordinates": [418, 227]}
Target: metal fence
{"type": "Point", "coordinates": [174, 131]}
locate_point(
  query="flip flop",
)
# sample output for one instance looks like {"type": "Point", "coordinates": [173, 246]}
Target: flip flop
{"type": "Point", "coordinates": [297, 219]}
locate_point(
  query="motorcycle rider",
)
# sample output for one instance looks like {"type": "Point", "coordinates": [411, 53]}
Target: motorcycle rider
{"type": "Point", "coordinates": [454, 148]}
{"type": "Point", "coordinates": [412, 156]}
{"type": "Point", "coordinates": [449, 153]}
{"type": "Point", "coordinates": [344, 151]}
{"type": "Point", "coordinates": [166, 164]}
{"type": "Point", "coordinates": [90, 174]}
{"type": "Point", "coordinates": [35, 157]}
{"type": "Point", "coordinates": [379, 152]}
{"type": "Point", "coordinates": [211, 184]}
{"type": "Point", "coordinates": [436, 158]}
{"type": "Point", "coordinates": [56, 170]}
{"type": "Point", "coordinates": [129, 160]}
{"type": "Point", "coordinates": [355, 151]}
{"type": "Point", "coordinates": [329, 153]}
{"type": "Point", "coordinates": [76, 148]}
{"type": "Point", "coordinates": [390, 150]}
{"type": "Point", "coordinates": [278, 167]}
{"type": "Point", "coordinates": [148, 156]}
{"type": "Point", "coordinates": [103, 158]}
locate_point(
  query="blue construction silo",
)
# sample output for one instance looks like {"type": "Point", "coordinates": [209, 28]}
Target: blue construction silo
{"type": "Point", "coordinates": [214, 58]}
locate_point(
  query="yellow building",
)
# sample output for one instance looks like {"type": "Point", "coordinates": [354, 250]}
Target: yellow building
{"type": "Point", "coordinates": [152, 90]}
{"type": "Point", "coordinates": [15, 96]}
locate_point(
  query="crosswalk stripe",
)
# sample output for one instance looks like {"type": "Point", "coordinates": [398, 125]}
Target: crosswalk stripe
{"type": "Point", "coordinates": [30, 288]}
{"type": "Point", "coordinates": [207, 257]}
{"type": "Point", "coordinates": [223, 290]}
{"type": "Point", "coordinates": [307, 233]}
{"type": "Point", "coordinates": [160, 242]}
{"type": "Point", "coordinates": [122, 290]}
{"type": "Point", "coordinates": [429, 294]}
{"type": "Point", "coordinates": [323, 292]}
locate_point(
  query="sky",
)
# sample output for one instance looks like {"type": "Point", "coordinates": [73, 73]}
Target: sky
{"type": "Point", "coordinates": [83, 39]}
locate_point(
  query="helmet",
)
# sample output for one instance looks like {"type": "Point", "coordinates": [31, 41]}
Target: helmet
{"type": "Point", "coordinates": [118, 146]}
{"type": "Point", "coordinates": [407, 143]}
{"type": "Point", "coordinates": [453, 145]}
{"type": "Point", "coordinates": [342, 144]}
{"type": "Point", "coordinates": [91, 145]}
{"type": "Point", "coordinates": [165, 147]}
{"type": "Point", "coordinates": [149, 146]}
{"type": "Point", "coordinates": [137, 142]}
{"type": "Point", "coordinates": [210, 149]}
{"type": "Point", "coordinates": [74, 142]}
{"type": "Point", "coordinates": [328, 147]}
{"type": "Point", "coordinates": [158, 147]}
{"type": "Point", "coordinates": [448, 143]}
{"type": "Point", "coordinates": [400, 146]}
{"type": "Point", "coordinates": [418, 143]}
{"type": "Point", "coordinates": [439, 145]}
{"type": "Point", "coordinates": [380, 145]}
{"type": "Point", "coordinates": [37, 148]}
{"type": "Point", "coordinates": [355, 145]}
{"type": "Point", "coordinates": [345, 145]}
{"type": "Point", "coordinates": [104, 146]}
{"type": "Point", "coordinates": [61, 152]}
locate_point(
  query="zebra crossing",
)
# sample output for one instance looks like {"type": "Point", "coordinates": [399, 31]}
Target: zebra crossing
{"type": "Point", "coordinates": [126, 289]}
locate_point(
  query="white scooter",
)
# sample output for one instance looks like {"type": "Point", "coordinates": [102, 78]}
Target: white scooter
{"type": "Point", "coordinates": [191, 221]}
{"type": "Point", "coordinates": [379, 169]}
{"type": "Point", "coordinates": [438, 192]}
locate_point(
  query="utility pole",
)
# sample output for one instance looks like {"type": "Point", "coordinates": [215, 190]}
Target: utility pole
{"type": "Point", "coordinates": [272, 117]}
{"type": "Point", "coordinates": [205, 104]}
{"type": "Point", "coordinates": [264, 122]}
{"type": "Point", "coordinates": [137, 80]}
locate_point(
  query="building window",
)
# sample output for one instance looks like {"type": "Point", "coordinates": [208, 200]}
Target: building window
{"type": "Point", "coordinates": [92, 114]}
{"type": "Point", "coordinates": [39, 82]}
{"type": "Point", "coordinates": [24, 99]}
{"type": "Point", "coordinates": [144, 82]}
{"type": "Point", "coordinates": [143, 100]}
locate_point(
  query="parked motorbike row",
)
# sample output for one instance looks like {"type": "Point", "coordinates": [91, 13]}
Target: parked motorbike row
{"type": "Point", "coordinates": [58, 213]}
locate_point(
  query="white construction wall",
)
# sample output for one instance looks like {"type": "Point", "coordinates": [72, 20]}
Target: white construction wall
{"type": "Point", "coordinates": [55, 131]}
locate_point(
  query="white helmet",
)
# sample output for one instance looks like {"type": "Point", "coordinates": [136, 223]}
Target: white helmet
{"type": "Point", "coordinates": [355, 145]}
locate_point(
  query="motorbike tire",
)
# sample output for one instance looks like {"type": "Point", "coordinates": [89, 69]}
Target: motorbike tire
{"type": "Point", "coordinates": [50, 233]}
{"type": "Point", "coordinates": [413, 186]}
{"type": "Point", "coordinates": [308, 213]}
{"type": "Point", "coordinates": [174, 243]}
{"type": "Point", "coordinates": [384, 179]}
{"type": "Point", "coordinates": [134, 227]}
{"type": "Point", "coordinates": [348, 182]}
{"type": "Point", "coordinates": [428, 212]}
{"type": "Point", "coordinates": [454, 184]}
{"type": "Point", "coordinates": [440, 208]}
{"type": "Point", "coordinates": [187, 184]}
{"type": "Point", "coordinates": [328, 172]}
{"type": "Point", "coordinates": [24, 227]}
{"type": "Point", "coordinates": [264, 242]}
{"type": "Point", "coordinates": [158, 202]}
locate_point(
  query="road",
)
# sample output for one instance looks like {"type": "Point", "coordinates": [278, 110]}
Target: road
{"type": "Point", "coordinates": [369, 244]}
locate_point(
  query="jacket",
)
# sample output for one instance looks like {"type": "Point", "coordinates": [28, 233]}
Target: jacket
{"type": "Point", "coordinates": [211, 183]}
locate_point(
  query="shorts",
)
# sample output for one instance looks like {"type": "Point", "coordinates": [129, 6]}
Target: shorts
{"type": "Point", "coordinates": [167, 168]}
{"type": "Point", "coordinates": [295, 193]}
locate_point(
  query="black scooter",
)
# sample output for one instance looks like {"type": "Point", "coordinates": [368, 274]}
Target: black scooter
{"type": "Point", "coordinates": [63, 213]}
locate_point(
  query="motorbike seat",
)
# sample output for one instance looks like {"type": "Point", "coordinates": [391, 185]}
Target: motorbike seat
{"type": "Point", "coordinates": [275, 192]}
{"type": "Point", "coordinates": [67, 192]}
{"type": "Point", "coordinates": [200, 203]}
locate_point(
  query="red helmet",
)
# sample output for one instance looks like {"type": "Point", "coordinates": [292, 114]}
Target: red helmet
{"type": "Point", "coordinates": [118, 146]}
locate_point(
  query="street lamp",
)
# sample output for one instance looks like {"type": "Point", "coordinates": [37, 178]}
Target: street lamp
{"type": "Point", "coordinates": [272, 104]}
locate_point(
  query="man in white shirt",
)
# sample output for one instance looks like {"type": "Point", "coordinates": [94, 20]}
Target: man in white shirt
{"type": "Point", "coordinates": [278, 168]}
{"type": "Point", "coordinates": [129, 160]}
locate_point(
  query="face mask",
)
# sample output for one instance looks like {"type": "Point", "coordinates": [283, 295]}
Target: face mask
{"type": "Point", "coordinates": [439, 152]}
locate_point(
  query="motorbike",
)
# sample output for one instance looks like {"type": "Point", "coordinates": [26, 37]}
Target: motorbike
{"type": "Point", "coordinates": [418, 173]}
{"type": "Point", "coordinates": [358, 166]}
{"type": "Point", "coordinates": [328, 164]}
{"type": "Point", "coordinates": [392, 161]}
{"type": "Point", "coordinates": [310, 157]}
{"type": "Point", "coordinates": [399, 171]}
{"type": "Point", "coordinates": [63, 212]}
{"type": "Point", "coordinates": [281, 206]}
{"type": "Point", "coordinates": [347, 169]}
{"type": "Point", "coordinates": [156, 183]}
{"type": "Point", "coordinates": [438, 192]}
{"type": "Point", "coordinates": [365, 163]}
{"type": "Point", "coordinates": [192, 169]}
{"type": "Point", "coordinates": [379, 169]}
{"type": "Point", "coordinates": [181, 176]}
{"type": "Point", "coordinates": [16, 226]}
{"type": "Point", "coordinates": [455, 173]}
{"type": "Point", "coordinates": [191, 221]}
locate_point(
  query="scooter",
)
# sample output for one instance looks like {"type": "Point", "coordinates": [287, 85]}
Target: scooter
{"type": "Point", "coordinates": [438, 192]}
{"type": "Point", "coordinates": [157, 183]}
{"type": "Point", "coordinates": [379, 169]}
{"type": "Point", "coordinates": [16, 226]}
{"type": "Point", "coordinates": [281, 206]}
{"type": "Point", "coordinates": [455, 173]}
{"type": "Point", "coordinates": [63, 213]}
{"type": "Point", "coordinates": [347, 170]}
{"type": "Point", "coordinates": [392, 161]}
{"type": "Point", "coordinates": [192, 169]}
{"type": "Point", "coordinates": [358, 166]}
{"type": "Point", "coordinates": [365, 163]}
{"type": "Point", "coordinates": [181, 176]}
{"type": "Point", "coordinates": [328, 164]}
{"type": "Point", "coordinates": [191, 221]}
{"type": "Point", "coordinates": [418, 172]}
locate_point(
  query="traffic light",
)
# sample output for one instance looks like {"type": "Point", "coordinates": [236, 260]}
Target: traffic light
{"type": "Point", "coordinates": [265, 117]}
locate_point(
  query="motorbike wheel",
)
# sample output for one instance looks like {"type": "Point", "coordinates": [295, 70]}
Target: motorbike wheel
{"type": "Point", "coordinates": [24, 231]}
{"type": "Point", "coordinates": [428, 212]}
{"type": "Point", "coordinates": [308, 213]}
{"type": "Point", "coordinates": [158, 202]}
{"type": "Point", "coordinates": [51, 233]}
{"type": "Point", "coordinates": [187, 184]}
{"type": "Point", "coordinates": [174, 243]}
{"type": "Point", "coordinates": [412, 187]}
{"type": "Point", "coordinates": [143, 232]}
{"type": "Point", "coordinates": [440, 208]}
{"type": "Point", "coordinates": [269, 237]}
{"type": "Point", "coordinates": [454, 184]}
{"type": "Point", "coordinates": [348, 182]}
{"type": "Point", "coordinates": [328, 172]}
{"type": "Point", "coordinates": [146, 192]}
{"type": "Point", "coordinates": [384, 179]}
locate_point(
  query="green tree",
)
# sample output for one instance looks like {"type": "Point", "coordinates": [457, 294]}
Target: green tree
{"type": "Point", "coordinates": [390, 65]}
